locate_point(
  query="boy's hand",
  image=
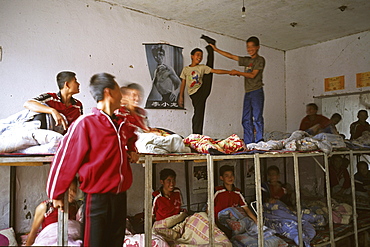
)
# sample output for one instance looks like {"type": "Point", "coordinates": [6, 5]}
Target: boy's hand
{"type": "Point", "coordinates": [59, 120]}
{"type": "Point", "coordinates": [58, 204]}
{"type": "Point", "coordinates": [234, 72]}
{"type": "Point", "coordinates": [213, 46]}
{"type": "Point", "coordinates": [133, 156]}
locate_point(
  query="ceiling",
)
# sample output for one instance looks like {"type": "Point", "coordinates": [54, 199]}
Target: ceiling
{"type": "Point", "coordinates": [271, 20]}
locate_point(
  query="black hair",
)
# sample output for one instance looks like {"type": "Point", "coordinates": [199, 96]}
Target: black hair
{"type": "Point", "coordinates": [64, 76]}
{"type": "Point", "coordinates": [75, 181]}
{"type": "Point", "coordinates": [336, 115]}
{"type": "Point", "coordinates": [98, 83]}
{"type": "Point", "coordinates": [273, 168]}
{"type": "Point", "coordinates": [226, 168]}
{"type": "Point", "coordinates": [136, 87]}
{"type": "Point", "coordinates": [195, 50]}
{"type": "Point", "coordinates": [254, 39]}
{"type": "Point", "coordinates": [362, 163]}
{"type": "Point", "coordinates": [313, 105]}
{"type": "Point", "coordinates": [358, 113]}
{"type": "Point", "coordinates": [165, 173]}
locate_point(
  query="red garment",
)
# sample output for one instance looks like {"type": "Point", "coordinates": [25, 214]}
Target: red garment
{"type": "Point", "coordinates": [225, 199]}
{"type": "Point", "coordinates": [306, 123]}
{"type": "Point", "coordinates": [277, 193]}
{"type": "Point", "coordinates": [54, 100]}
{"type": "Point", "coordinates": [358, 128]}
{"type": "Point", "coordinates": [51, 214]}
{"type": "Point", "coordinates": [335, 176]}
{"type": "Point", "coordinates": [164, 207]}
{"type": "Point", "coordinates": [95, 148]}
{"type": "Point", "coordinates": [138, 118]}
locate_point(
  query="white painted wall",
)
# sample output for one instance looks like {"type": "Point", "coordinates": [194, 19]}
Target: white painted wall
{"type": "Point", "coordinates": [307, 67]}
{"type": "Point", "coordinates": [42, 37]}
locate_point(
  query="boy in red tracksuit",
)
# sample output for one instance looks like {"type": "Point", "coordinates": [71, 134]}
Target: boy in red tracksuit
{"type": "Point", "coordinates": [98, 147]}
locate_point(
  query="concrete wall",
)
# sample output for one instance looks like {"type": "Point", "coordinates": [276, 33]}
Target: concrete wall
{"type": "Point", "coordinates": [307, 67]}
{"type": "Point", "coordinates": [40, 38]}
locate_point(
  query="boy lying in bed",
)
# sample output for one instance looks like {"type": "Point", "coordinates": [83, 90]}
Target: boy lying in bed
{"type": "Point", "coordinates": [172, 224]}
{"type": "Point", "coordinates": [46, 214]}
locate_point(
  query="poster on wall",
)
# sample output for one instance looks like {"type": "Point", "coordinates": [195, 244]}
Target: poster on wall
{"type": "Point", "coordinates": [363, 79]}
{"type": "Point", "coordinates": [200, 179]}
{"type": "Point", "coordinates": [165, 63]}
{"type": "Point", "coordinates": [334, 83]}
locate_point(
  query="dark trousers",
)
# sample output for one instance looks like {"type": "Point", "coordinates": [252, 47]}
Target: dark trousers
{"type": "Point", "coordinates": [199, 98]}
{"type": "Point", "coordinates": [104, 219]}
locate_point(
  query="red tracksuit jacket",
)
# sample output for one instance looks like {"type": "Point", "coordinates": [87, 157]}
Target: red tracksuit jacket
{"type": "Point", "coordinates": [95, 148]}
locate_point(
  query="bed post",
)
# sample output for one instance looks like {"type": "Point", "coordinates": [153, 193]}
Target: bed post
{"type": "Point", "coordinates": [63, 222]}
{"type": "Point", "coordinates": [353, 198]}
{"type": "Point", "coordinates": [211, 197]}
{"type": "Point", "coordinates": [257, 179]}
{"type": "Point", "coordinates": [148, 200]}
{"type": "Point", "coordinates": [328, 200]}
{"type": "Point", "coordinates": [298, 198]}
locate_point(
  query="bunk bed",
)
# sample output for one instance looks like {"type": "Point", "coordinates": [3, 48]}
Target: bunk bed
{"type": "Point", "coordinates": [328, 236]}
{"type": "Point", "coordinates": [16, 160]}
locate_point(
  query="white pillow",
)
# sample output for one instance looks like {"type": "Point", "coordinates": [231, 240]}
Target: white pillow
{"type": "Point", "coordinates": [10, 235]}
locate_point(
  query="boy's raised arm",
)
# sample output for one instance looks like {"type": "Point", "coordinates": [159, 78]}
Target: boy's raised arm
{"type": "Point", "coordinates": [225, 53]}
{"type": "Point", "coordinates": [220, 71]}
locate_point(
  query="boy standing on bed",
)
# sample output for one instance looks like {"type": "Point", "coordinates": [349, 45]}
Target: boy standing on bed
{"type": "Point", "coordinates": [99, 147]}
{"type": "Point", "coordinates": [192, 78]}
{"type": "Point", "coordinates": [227, 195]}
{"type": "Point", "coordinates": [254, 96]}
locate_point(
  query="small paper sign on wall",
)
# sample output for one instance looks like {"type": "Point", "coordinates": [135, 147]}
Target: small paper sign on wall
{"type": "Point", "coordinates": [334, 83]}
{"type": "Point", "coordinates": [363, 79]}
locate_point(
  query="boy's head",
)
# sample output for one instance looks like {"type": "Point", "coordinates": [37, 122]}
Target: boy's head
{"type": "Point", "coordinates": [362, 168]}
{"type": "Point", "coordinates": [168, 179]}
{"type": "Point", "coordinates": [311, 109]}
{"type": "Point", "coordinates": [136, 93]}
{"type": "Point", "coordinates": [68, 79]}
{"type": "Point", "coordinates": [253, 45]}
{"type": "Point", "coordinates": [336, 118]}
{"type": "Point", "coordinates": [227, 174]}
{"type": "Point", "coordinates": [362, 115]}
{"type": "Point", "coordinates": [336, 161]}
{"type": "Point", "coordinates": [273, 174]}
{"type": "Point", "coordinates": [72, 191]}
{"type": "Point", "coordinates": [196, 56]}
{"type": "Point", "coordinates": [104, 87]}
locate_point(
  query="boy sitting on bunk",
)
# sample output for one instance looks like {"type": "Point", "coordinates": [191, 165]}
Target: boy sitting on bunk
{"type": "Point", "coordinates": [273, 189]}
{"type": "Point", "coordinates": [361, 125]}
{"type": "Point", "coordinates": [46, 214]}
{"type": "Point", "coordinates": [172, 223]}
{"type": "Point", "coordinates": [362, 179]}
{"type": "Point", "coordinates": [131, 98]}
{"type": "Point", "coordinates": [340, 181]}
{"type": "Point", "coordinates": [227, 195]}
{"type": "Point", "coordinates": [167, 200]}
{"type": "Point", "coordinates": [313, 123]}
{"type": "Point", "coordinates": [61, 106]}
{"type": "Point", "coordinates": [99, 147]}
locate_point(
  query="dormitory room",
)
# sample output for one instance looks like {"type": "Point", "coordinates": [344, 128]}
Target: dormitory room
{"type": "Point", "coordinates": [184, 123]}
